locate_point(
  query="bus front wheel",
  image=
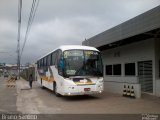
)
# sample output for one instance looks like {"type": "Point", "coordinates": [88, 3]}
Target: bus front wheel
{"type": "Point", "coordinates": [55, 89]}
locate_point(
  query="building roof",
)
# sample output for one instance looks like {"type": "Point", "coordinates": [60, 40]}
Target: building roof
{"type": "Point", "coordinates": [144, 23]}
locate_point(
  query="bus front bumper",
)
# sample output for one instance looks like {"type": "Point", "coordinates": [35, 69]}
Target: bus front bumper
{"type": "Point", "coordinates": [82, 90]}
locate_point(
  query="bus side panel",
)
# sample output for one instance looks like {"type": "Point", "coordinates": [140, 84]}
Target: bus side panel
{"type": "Point", "coordinates": [59, 80]}
{"type": "Point", "coordinates": [38, 76]}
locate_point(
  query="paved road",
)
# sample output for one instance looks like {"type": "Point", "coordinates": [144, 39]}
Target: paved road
{"type": "Point", "coordinates": [42, 101]}
{"type": "Point", "coordinates": [8, 98]}
{"type": "Point", "coordinates": [38, 100]}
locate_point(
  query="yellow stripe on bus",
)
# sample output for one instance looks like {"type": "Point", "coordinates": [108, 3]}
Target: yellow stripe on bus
{"type": "Point", "coordinates": [51, 79]}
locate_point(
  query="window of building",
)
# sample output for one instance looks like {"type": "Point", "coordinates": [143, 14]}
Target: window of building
{"type": "Point", "coordinates": [130, 69]}
{"type": "Point", "coordinates": [108, 69]}
{"type": "Point", "coordinates": [117, 69]}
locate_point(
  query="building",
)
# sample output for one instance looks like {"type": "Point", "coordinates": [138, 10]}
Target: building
{"type": "Point", "coordinates": [131, 54]}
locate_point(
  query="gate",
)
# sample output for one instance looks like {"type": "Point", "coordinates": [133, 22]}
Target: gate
{"type": "Point", "coordinates": [145, 76]}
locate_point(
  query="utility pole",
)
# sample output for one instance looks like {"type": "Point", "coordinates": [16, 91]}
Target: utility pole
{"type": "Point", "coordinates": [19, 31]}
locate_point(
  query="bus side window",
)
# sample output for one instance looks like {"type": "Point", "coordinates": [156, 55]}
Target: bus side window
{"type": "Point", "coordinates": [42, 63]}
{"type": "Point", "coordinates": [38, 64]}
{"type": "Point", "coordinates": [57, 58]}
{"type": "Point", "coordinates": [53, 58]}
{"type": "Point", "coordinates": [49, 60]}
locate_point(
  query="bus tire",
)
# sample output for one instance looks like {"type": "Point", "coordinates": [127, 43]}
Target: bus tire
{"type": "Point", "coordinates": [55, 89]}
{"type": "Point", "coordinates": [42, 85]}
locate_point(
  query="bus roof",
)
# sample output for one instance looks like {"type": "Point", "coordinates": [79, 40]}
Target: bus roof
{"type": "Point", "coordinates": [72, 47]}
{"type": "Point", "coordinates": [80, 47]}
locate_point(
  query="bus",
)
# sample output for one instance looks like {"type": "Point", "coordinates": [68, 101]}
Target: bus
{"type": "Point", "coordinates": [71, 70]}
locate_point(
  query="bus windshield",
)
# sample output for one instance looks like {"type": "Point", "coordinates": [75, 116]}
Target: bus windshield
{"type": "Point", "coordinates": [82, 63]}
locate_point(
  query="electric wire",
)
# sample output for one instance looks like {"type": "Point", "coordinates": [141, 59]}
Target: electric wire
{"type": "Point", "coordinates": [30, 21]}
{"type": "Point", "coordinates": [28, 25]}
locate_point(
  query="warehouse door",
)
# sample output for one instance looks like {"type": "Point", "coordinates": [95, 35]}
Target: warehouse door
{"type": "Point", "coordinates": [145, 76]}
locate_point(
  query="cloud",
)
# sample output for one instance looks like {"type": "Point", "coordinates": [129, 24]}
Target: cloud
{"type": "Point", "coordinates": [62, 22]}
{"type": "Point", "coordinates": [8, 35]}
{"type": "Point", "coordinates": [45, 37]}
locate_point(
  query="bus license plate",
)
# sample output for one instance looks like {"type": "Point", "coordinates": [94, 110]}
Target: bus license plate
{"type": "Point", "coordinates": [87, 89]}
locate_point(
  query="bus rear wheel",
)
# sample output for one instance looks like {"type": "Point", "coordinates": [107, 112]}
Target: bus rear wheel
{"type": "Point", "coordinates": [55, 89]}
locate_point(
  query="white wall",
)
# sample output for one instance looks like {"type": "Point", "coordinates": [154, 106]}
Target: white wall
{"type": "Point", "coordinates": [116, 87]}
{"type": "Point", "coordinates": [139, 51]}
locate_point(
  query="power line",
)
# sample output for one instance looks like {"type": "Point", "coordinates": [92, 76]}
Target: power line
{"type": "Point", "coordinates": [34, 13]}
{"type": "Point", "coordinates": [28, 25]}
{"type": "Point", "coordinates": [30, 21]}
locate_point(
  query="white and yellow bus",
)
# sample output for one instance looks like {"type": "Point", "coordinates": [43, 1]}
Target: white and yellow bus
{"type": "Point", "coordinates": [71, 70]}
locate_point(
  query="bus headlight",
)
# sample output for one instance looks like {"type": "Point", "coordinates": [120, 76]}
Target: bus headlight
{"type": "Point", "coordinates": [71, 87]}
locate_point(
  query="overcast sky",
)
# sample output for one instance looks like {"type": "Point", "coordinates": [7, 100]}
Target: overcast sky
{"type": "Point", "coordinates": [61, 22]}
